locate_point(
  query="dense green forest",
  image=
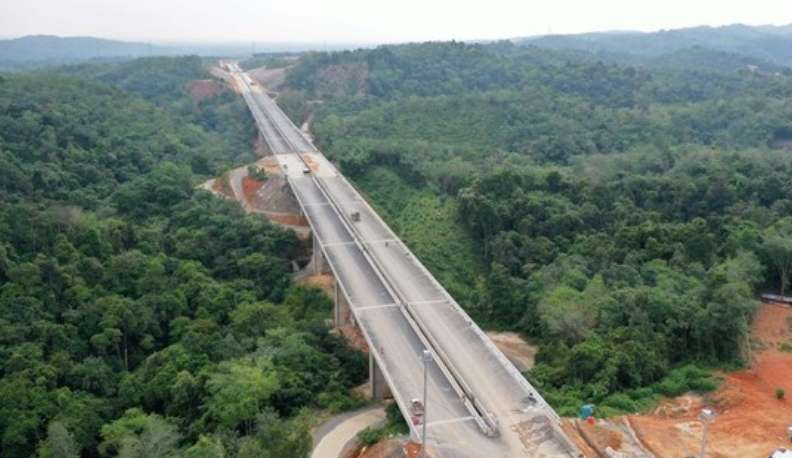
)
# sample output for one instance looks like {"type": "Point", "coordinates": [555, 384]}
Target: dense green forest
{"type": "Point", "coordinates": [622, 216]}
{"type": "Point", "coordinates": [140, 317]}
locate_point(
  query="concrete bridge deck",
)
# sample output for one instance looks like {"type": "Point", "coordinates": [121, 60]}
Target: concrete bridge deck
{"type": "Point", "coordinates": [402, 310]}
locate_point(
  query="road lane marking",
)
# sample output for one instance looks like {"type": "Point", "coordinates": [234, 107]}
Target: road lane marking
{"type": "Point", "coordinates": [449, 421]}
{"type": "Point", "coordinates": [316, 204]}
{"type": "Point", "coordinates": [433, 301]}
{"type": "Point", "coordinates": [375, 307]}
{"type": "Point", "coordinates": [379, 242]}
{"type": "Point", "coordinates": [372, 242]}
{"type": "Point", "coordinates": [347, 203]}
{"type": "Point", "coordinates": [335, 244]}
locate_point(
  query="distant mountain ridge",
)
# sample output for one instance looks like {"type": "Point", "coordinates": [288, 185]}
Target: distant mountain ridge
{"type": "Point", "coordinates": [727, 47]}
{"type": "Point", "coordinates": [37, 48]}
{"type": "Point", "coordinates": [769, 43]}
{"type": "Point", "coordinates": [49, 49]}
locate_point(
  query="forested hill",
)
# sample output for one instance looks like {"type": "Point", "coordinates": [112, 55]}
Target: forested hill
{"type": "Point", "coordinates": [623, 217]}
{"type": "Point", "coordinates": [141, 317]}
{"type": "Point", "coordinates": [52, 49]}
{"type": "Point", "coordinates": [35, 51]}
{"type": "Point", "coordinates": [767, 43]}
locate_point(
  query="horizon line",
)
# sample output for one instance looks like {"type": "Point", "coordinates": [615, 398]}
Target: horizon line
{"type": "Point", "coordinates": [335, 43]}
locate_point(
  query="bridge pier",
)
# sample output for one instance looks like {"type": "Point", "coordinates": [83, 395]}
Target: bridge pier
{"type": "Point", "coordinates": [379, 386]}
{"type": "Point", "coordinates": [342, 313]}
{"type": "Point", "coordinates": [264, 145]}
{"type": "Point", "coordinates": [319, 262]}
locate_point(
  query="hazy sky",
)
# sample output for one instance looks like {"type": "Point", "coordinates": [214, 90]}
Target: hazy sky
{"type": "Point", "coordinates": [368, 20]}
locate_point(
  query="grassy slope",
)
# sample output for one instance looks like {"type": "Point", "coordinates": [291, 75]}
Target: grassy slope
{"type": "Point", "coordinates": [428, 224]}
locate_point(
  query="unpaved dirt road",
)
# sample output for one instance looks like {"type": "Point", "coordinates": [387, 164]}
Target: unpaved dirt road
{"type": "Point", "coordinates": [333, 436]}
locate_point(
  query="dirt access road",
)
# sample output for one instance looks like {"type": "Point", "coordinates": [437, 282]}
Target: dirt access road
{"type": "Point", "coordinates": [333, 437]}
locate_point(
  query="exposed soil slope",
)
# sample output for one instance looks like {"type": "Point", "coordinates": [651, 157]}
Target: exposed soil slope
{"type": "Point", "coordinates": [751, 422]}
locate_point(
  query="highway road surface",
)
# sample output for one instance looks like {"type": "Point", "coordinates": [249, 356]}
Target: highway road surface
{"type": "Point", "coordinates": [478, 405]}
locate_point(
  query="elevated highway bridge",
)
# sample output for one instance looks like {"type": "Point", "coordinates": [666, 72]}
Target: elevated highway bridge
{"type": "Point", "coordinates": [478, 405]}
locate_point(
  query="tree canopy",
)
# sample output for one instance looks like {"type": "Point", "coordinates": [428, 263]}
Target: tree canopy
{"type": "Point", "coordinates": [140, 316]}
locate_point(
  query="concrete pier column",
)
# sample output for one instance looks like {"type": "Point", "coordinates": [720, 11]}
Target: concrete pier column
{"type": "Point", "coordinates": [317, 253]}
{"type": "Point", "coordinates": [342, 313]}
{"type": "Point", "coordinates": [319, 262]}
{"type": "Point", "coordinates": [379, 386]}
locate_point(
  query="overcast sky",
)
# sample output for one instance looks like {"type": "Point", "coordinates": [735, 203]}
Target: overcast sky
{"type": "Point", "coordinates": [366, 21]}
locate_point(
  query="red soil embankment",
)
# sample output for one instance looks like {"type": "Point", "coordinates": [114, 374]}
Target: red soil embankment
{"type": "Point", "coordinates": [250, 187]}
{"type": "Point", "coordinates": [751, 421]}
